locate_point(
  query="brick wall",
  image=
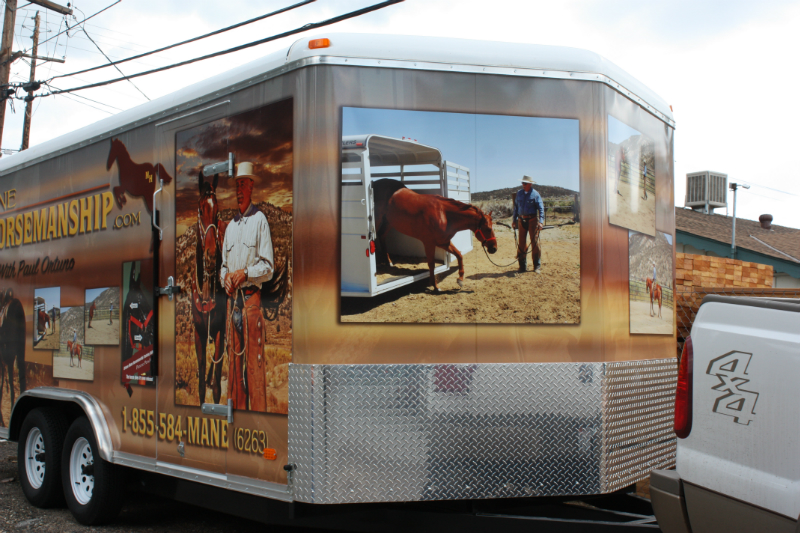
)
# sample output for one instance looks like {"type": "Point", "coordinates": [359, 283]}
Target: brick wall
{"type": "Point", "coordinates": [699, 275]}
{"type": "Point", "coordinates": [695, 271]}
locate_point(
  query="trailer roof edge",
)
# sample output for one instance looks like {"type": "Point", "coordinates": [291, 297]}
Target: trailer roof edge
{"type": "Point", "coordinates": [364, 50]}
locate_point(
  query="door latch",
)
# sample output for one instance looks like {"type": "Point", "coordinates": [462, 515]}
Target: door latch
{"type": "Point", "coordinates": [170, 289]}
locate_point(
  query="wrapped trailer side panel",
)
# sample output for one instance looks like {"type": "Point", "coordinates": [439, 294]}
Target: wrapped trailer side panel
{"type": "Point", "coordinates": [547, 388]}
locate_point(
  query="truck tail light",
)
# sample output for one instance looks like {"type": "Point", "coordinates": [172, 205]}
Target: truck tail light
{"type": "Point", "coordinates": [683, 394]}
{"type": "Point", "coordinates": [372, 247]}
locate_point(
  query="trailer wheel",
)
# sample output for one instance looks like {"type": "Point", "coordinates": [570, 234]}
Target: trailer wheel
{"type": "Point", "coordinates": [93, 487]}
{"type": "Point", "coordinates": [41, 438]}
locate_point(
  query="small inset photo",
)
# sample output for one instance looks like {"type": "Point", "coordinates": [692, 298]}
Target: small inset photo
{"type": "Point", "coordinates": [631, 182]}
{"type": "Point", "coordinates": [46, 311]}
{"type": "Point", "coordinates": [101, 317]}
{"type": "Point", "coordinates": [650, 283]}
{"type": "Point", "coordinates": [73, 360]}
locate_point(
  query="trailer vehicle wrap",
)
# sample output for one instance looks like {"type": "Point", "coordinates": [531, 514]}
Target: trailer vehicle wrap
{"type": "Point", "coordinates": [216, 214]}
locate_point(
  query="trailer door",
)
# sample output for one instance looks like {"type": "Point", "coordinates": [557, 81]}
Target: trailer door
{"type": "Point", "coordinates": [457, 187]}
{"type": "Point", "coordinates": [186, 144]}
{"type": "Point", "coordinates": [358, 225]}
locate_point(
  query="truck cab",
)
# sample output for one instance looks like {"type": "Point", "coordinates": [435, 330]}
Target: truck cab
{"type": "Point", "coordinates": [736, 421]}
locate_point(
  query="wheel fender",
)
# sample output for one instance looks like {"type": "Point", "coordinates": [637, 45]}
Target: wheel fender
{"type": "Point", "coordinates": [30, 399]}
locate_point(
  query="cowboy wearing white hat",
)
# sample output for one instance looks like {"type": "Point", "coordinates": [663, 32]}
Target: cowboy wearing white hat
{"type": "Point", "coordinates": [247, 262]}
{"type": "Point", "coordinates": [528, 209]}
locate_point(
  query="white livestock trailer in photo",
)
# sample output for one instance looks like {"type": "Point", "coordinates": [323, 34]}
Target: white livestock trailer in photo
{"type": "Point", "coordinates": [419, 167]}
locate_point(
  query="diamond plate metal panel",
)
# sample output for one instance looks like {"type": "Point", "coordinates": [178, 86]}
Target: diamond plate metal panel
{"type": "Point", "coordinates": [370, 433]}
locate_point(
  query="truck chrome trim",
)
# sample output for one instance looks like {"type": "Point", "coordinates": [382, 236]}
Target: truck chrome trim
{"type": "Point", "coordinates": [89, 404]}
{"type": "Point", "coordinates": [416, 432]}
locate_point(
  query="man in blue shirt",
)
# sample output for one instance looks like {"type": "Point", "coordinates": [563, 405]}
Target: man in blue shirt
{"type": "Point", "coordinates": [529, 217]}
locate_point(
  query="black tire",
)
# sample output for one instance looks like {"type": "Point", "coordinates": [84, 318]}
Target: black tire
{"type": "Point", "coordinates": [103, 501]}
{"type": "Point", "coordinates": [43, 430]}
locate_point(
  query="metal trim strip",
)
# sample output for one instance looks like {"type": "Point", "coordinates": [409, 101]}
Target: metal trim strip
{"type": "Point", "coordinates": [266, 489]}
{"type": "Point", "coordinates": [90, 406]}
{"type": "Point", "coordinates": [236, 483]}
{"type": "Point", "coordinates": [4, 433]}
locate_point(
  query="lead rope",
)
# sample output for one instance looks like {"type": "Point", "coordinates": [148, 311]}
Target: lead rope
{"type": "Point", "coordinates": [516, 247]}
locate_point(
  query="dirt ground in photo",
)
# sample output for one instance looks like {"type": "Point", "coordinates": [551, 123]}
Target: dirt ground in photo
{"type": "Point", "coordinates": [491, 294]}
{"type": "Point", "coordinates": [51, 338]}
{"type": "Point", "coordinates": [102, 333]}
{"type": "Point", "coordinates": [642, 322]}
{"type": "Point", "coordinates": [631, 210]}
{"type": "Point", "coordinates": [62, 370]}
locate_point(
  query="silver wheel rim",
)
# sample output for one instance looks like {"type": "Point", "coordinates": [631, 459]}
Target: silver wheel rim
{"type": "Point", "coordinates": [79, 458]}
{"type": "Point", "coordinates": [34, 445]}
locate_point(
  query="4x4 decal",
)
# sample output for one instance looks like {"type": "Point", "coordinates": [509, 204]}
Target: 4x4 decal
{"type": "Point", "coordinates": [731, 370]}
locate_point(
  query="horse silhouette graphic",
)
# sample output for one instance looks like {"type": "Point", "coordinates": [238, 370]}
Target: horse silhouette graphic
{"type": "Point", "coordinates": [136, 179]}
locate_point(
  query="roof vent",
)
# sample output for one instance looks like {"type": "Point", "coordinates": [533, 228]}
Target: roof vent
{"type": "Point", "coordinates": [706, 191]}
{"type": "Point", "coordinates": [766, 221]}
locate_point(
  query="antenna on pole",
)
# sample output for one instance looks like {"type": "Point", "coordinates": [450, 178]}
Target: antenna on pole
{"type": "Point", "coordinates": [733, 187]}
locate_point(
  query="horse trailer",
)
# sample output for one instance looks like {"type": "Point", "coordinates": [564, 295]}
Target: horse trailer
{"type": "Point", "coordinates": [233, 223]}
{"type": "Point", "coordinates": [422, 169]}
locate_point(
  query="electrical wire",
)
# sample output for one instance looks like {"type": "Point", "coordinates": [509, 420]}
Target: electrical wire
{"type": "Point", "coordinates": [193, 39]}
{"type": "Point", "coordinates": [78, 24]}
{"type": "Point", "coordinates": [115, 66]}
{"type": "Point", "coordinates": [307, 27]}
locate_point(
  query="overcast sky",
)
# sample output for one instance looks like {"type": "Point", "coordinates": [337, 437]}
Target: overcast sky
{"type": "Point", "coordinates": [726, 67]}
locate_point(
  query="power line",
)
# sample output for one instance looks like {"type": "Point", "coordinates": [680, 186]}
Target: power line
{"type": "Point", "coordinates": [78, 24]}
{"type": "Point", "coordinates": [194, 39]}
{"type": "Point", "coordinates": [115, 66]}
{"type": "Point", "coordinates": [307, 27]}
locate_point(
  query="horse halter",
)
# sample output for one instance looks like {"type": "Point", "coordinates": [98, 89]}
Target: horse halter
{"type": "Point", "coordinates": [482, 238]}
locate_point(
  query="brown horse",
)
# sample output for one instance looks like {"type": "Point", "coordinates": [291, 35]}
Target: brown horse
{"type": "Point", "coordinates": [136, 179]}
{"type": "Point", "coordinates": [12, 344]}
{"type": "Point", "coordinates": [74, 349]}
{"type": "Point", "coordinates": [208, 295]}
{"type": "Point", "coordinates": [655, 295]}
{"type": "Point", "coordinates": [432, 219]}
{"type": "Point", "coordinates": [44, 322]}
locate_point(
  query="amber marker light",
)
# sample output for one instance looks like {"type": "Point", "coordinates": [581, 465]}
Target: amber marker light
{"type": "Point", "coordinates": [318, 43]}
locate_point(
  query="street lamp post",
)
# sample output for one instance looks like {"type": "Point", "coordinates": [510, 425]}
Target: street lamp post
{"type": "Point", "coordinates": [733, 187]}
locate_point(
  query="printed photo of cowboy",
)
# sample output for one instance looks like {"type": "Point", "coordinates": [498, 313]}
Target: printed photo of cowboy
{"type": "Point", "coordinates": [102, 316]}
{"type": "Point", "coordinates": [234, 323]}
{"type": "Point", "coordinates": [650, 267]}
{"type": "Point", "coordinates": [73, 359]}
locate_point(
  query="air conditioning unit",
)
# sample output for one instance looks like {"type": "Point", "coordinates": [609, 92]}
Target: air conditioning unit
{"type": "Point", "coordinates": [706, 190]}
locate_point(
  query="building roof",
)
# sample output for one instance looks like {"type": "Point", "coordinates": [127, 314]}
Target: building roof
{"type": "Point", "coordinates": [778, 242]}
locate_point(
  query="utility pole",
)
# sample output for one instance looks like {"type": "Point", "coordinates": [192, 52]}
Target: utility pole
{"type": "Point", "coordinates": [26, 128]}
{"type": "Point", "coordinates": [733, 187]}
{"type": "Point", "coordinates": [5, 59]}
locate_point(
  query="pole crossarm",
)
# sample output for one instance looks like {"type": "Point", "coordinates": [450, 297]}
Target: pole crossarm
{"type": "Point", "coordinates": [41, 58]}
{"type": "Point", "coordinates": [47, 4]}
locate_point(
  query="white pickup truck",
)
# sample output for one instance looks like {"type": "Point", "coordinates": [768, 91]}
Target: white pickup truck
{"type": "Point", "coordinates": [737, 421]}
